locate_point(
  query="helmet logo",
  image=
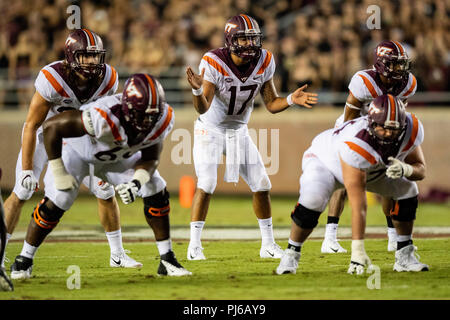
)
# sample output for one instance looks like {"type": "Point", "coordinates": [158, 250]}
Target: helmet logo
{"type": "Point", "coordinates": [382, 51]}
{"type": "Point", "coordinates": [373, 109]}
{"type": "Point", "coordinates": [230, 26]}
{"type": "Point", "coordinates": [70, 40]}
{"type": "Point", "coordinates": [132, 91]}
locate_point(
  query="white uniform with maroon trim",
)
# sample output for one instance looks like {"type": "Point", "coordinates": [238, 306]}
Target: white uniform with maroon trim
{"type": "Point", "coordinates": [223, 128]}
{"type": "Point", "coordinates": [364, 88]}
{"type": "Point", "coordinates": [106, 148]}
{"type": "Point", "coordinates": [322, 172]}
{"type": "Point", "coordinates": [52, 87]}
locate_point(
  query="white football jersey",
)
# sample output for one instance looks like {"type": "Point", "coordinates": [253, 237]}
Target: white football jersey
{"type": "Point", "coordinates": [52, 86]}
{"type": "Point", "coordinates": [353, 144]}
{"type": "Point", "coordinates": [106, 140]}
{"type": "Point", "coordinates": [235, 91]}
{"type": "Point", "coordinates": [366, 86]}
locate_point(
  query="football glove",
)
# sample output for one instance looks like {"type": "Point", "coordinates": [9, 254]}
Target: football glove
{"type": "Point", "coordinates": [128, 191]}
{"type": "Point", "coordinates": [62, 179]}
{"type": "Point", "coordinates": [28, 180]}
{"type": "Point", "coordinates": [359, 259]}
{"type": "Point", "coordinates": [398, 169]}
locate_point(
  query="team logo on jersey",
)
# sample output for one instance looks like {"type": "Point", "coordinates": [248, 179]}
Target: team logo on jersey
{"type": "Point", "coordinates": [230, 26]}
{"type": "Point", "coordinates": [382, 51]}
{"type": "Point", "coordinates": [244, 79]}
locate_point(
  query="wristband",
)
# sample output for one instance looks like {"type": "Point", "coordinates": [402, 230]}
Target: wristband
{"type": "Point", "coordinates": [197, 92]}
{"type": "Point", "coordinates": [142, 176]}
{"type": "Point", "coordinates": [57, 167]}
{"type": "Point", "coordinates": [289, 100]}
{"type": "Point", "coordinates": [358, 246]}
{"type": "Point", "coordinates": [407, 170]}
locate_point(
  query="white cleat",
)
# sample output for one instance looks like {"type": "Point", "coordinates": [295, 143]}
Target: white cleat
{"type": "Point", "coordinates": [331, 246]}
{"type": "Point", "coordinates": [272, 250]}
{"type": "Point", "coordinates": [406, 259]}
{"type": "Point", "coordinates": [169, 266]}
{"type": "Point", "coordinates": [289, 262]}
{"type": "Point", "coordinates": [195, 253]}
{"type": "Point", "coordinates": [122, 260]}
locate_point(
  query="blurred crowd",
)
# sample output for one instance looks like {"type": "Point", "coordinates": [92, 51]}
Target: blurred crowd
{"type": "Point", "coordinates": [322, 43]}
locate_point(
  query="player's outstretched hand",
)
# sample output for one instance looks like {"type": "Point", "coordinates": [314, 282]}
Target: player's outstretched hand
{"type": "Point", "coordinates": [128, 191]}
{"type": "Point", "coordinates": [195, 80]}
{"type": "Point", "coordinates": [302, 98]}
{"type": "Point", "coordinates": [358, 262]}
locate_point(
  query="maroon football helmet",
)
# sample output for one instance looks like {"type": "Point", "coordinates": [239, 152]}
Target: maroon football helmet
{"type": "Point", "coordinates": [143, 101]}
{"type": "Point", "coordinates": [388, 112]}
{"type": "Point", "coordinates": [84, 52]}
{"type": "Point", "coordinates": [243, 26]}
{"type": "Point", "coordinates": [391, 60]}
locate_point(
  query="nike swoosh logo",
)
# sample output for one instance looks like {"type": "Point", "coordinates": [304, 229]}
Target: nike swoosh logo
{"type": "Point", "coordinates": [116, 262]}
{"type": "Point", "coordinates": [270, 253]}
{"type": "Point", "coordinates": [191, 256]}
{"type": "Point", "coordinates": [334, 250]}
{"type": "Point", "coordinates": [255, 78]}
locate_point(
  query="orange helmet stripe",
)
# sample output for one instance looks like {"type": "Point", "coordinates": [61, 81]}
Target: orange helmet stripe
{"type": "Point", "coordinates": [91, 37]}
{"type": "Point", "coordinates": [152, 89]}
{"type": "Point", "coordinates": [393, 108]}
{"type": "Point", "coordinates": [402, 51]}
{"type": "Point", "coordinates": [247, 19]}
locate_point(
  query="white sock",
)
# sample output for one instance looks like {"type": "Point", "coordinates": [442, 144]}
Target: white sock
{"type": "Point", "coordinates": [403, 238]}
{"type": "Point", "coordinates": [196, 233]}
{"type": "Point", "coordinates": [28, 250]}
{"type": "Point", "coordinates": [295, 243]}
{"type": "Point", "coordinates": [392, 233]}
{"type": "Point", "coordinates": [115, 241]}
{"type": "Point", "coordinates": [331, 231]}
{"type": "Point", "coordinates": [266, 227]}
{"type": "Point", "coordinates": [164, 246]}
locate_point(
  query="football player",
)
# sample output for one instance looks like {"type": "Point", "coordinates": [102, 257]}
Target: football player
{"type": "Point", "coordinates": [389, 75]}
{"type": "Point", "coordinates": [121, 137]}
{"type": "Point", "coordinates": [380, 153]}
{"type": "Point", "coordinates": [5, 282]}
{"type": "Point", "coordinates": [223, 94]}
{"type": "Point", "coordinates": [82, 77]}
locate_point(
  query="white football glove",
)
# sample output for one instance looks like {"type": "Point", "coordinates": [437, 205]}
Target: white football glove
{"type": "Point", "coordinates": [103, 185]}
{"type": "Point", "coordinates": [62, 179]}
{"type": "Point", "coordinates": [398, 169]}
{"type": "Point", "coordinates": [359, 259]}
{"type": "Point", "coordinates": [28, 180]}
{"type": "Point", "coordinates": [128, 191]}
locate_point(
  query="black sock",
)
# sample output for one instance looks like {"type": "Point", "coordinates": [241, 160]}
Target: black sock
{"type": "Point", "coordinates": [295, 248]}
{"type": "Point", "coordinates": [333, 220]}
{"type": "Point", "coordinates": [389, 222]}
{"type": "Point", "coordinates": [403, 244]}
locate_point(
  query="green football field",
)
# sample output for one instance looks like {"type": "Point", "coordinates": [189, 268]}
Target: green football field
{"type": "Point", "coordinates": [233, 269]}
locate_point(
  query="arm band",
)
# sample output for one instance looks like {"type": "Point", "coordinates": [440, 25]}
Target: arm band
{"type": "Point", "coordinates": [349, 105]}
{"type": "Point", "coordinates": [142, 176]}
{"type": "Point", "coordinates": [289, 100]}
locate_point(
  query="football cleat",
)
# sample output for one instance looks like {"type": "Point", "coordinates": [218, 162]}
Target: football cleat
{"type": "Point", "coordinates": [272, 250]}
{"type": "Point", "coordinates": [406, 259]}
{"type": "Point", "coordinates": [331, 246]}
{"type": "Point", "coordinates": [122, 260]}
{"type": "Point", "coordinates": [169, 266]}
{"type": "Point", "coordinates": [288, 262]}
{"type": "Point", "coordinates": [5, 282]}
{"type": "Point", "coordinates": [21, 268]}
{"type": "Point", "coordinates": [195, 253]}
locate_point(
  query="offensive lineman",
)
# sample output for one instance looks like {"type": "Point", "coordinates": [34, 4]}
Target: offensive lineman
{"type": "Point", "coordinates": [64, 85]}
{"type": "Point", "coordinates": [223, 95]}
{"type": "Point", "coordinates": [379, 152]}
{"type": "Point", "coordinates": [121, 136]}
{"type": "Point", "coordinates": [390, 75]}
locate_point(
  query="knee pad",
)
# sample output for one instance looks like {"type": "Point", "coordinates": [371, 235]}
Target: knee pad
{"type": "Point", "coordinates": [304, 217]}
{"type": "Point", "coordinates": [405, 210]}
{"type": "Point", "coordinates": [46, 214]}
{"type": "Point", "coordinates": [157, 205]}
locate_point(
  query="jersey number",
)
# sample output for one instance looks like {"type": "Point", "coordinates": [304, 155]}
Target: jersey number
{"type": "Point", "coordinates": [111, 155]}
{"type": "Point", "coordinates": [233, 90]}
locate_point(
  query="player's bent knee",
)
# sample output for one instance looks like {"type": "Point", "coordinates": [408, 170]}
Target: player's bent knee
{"type": "Point", "coordinates": [207, 185]}
{"type": "Point", "coordinates": [316, 202]}
{"type": "Point", "coordinates": [46, 214]}
{"type": "Point", "coordinates": [304, 217]}
{"type": "Point", "coordinates": [405, 210]}
{"type": "Point", "coordinates": [157, 205]}
{"type": "Point", "coordinates": [263, 185]}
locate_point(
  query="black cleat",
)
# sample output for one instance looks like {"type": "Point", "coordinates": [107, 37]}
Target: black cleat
{"type": "Point", "coordinates": [21, 268]}
{"type": "Point", "coordinates": [169, 266]}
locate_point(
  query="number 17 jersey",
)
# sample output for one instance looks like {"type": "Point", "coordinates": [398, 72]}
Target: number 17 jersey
{"type": "Point", "coordinates": [236, 89]}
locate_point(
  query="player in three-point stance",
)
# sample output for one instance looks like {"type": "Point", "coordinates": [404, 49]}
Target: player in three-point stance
{"type": "Point", "coordinates": [380, 153]}
{"type": "Point", "coordinates": [223, 95]}
{"type": "Point", "coordinates": [121, 136]}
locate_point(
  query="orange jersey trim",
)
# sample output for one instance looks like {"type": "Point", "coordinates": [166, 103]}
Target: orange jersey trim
{"type": "Point", "coordinates": [361, 151]}
{"type": "Point", "coordinates": [216, 65]}
{"type": "Point", "coordinates": [369, 86]}
{"type": "Point", "coordinates": [265, 63]}
{"type": "Point", "coordinates": [415, 130]}
{"type": "Point", "coordinates": [111, 82]}
{"type": "Point", "coordinates": [413, 85]}
{"type": "Point", "coordinates": [55, 84]}
{"type": "Point", "coordinates": [112, 125]}
{"type": "Point", "coordinates": [164, 126]}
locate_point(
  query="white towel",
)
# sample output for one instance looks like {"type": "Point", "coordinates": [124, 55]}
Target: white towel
{"type": "Point", "coordinates": [232, 150]}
